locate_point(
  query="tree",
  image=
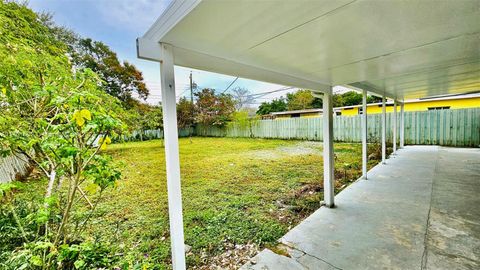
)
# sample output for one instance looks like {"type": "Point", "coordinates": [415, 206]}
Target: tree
{"type": "Point", "coordinates": [300, 100]}
{"type": "Point", "coordinates": [276, 105]}
{"type": "Point", "coordinates": [242, 97]}
{"type": "Point", "coordinates": [304, 99]}
{"type": "Point", "coordinates": [244, 120]}
{"type": "Point", "coordinates": [317, 103]}
{"type": "Point", "coordinates": [121, 80]}
{"type": "Point", "coordinates": [54, 117]}
{"type": "Point", "coordinates": [337, 100]}
{"type": "Point", "coordinates": [351, 98]}
{"type": "Point", "coordinates": [373, 99]}
{"type": "Point", "coordinates": [185, 113]}
{"type": "Point", "coordinates": [213, 109]}
{"type": "Point", "coordinates": [146, 117]}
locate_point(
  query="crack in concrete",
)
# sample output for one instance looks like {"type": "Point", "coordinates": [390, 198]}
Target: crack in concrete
{"type": "Point", "coordinates": [320, 259]}
{"type": "Point", "coordinates": [288, 244]}
{"type": "Point", "coordinates": [424, 260]}
{"type": "Point", "coordinates": [450, 255]}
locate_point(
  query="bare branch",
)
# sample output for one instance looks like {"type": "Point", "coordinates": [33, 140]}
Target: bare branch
{"type": "Point", "coordinates": [36, 162]}
{"type": "Point", "coordinates": [85, 196]}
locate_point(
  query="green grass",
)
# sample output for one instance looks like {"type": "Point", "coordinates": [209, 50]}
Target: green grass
{"type": "Point", "coordinates": [235, 192]}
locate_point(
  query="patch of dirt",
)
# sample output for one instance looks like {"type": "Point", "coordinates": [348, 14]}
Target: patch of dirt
{"type": "Point", "coordinates": [308, 189]}
{"type": "Point", "coordinates": [235, 256]}
{"type": "Point", "coordinates": [301, 148]}
{"type": "Point", "coordinates": [298, 204]}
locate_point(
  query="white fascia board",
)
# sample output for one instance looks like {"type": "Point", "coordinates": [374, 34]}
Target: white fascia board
{"type": "Point", "coordinates": [325, 88]}
{"type": "Point", "coordinates": [358, 86]}
{"type": "Point", "coordinates": [201, 61]}
{"type": "Point", "coordinates": [148, 49]}
{"type": "Point", "coordinates": [148, 46]}
{"type": "Point", "coordinates": [174, 13]}
{"type": "Point", "coordinates": [318, 94]}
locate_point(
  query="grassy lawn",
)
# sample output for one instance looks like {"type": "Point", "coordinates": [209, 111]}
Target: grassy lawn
{"type": "Point", "coordinates": [239, 195]}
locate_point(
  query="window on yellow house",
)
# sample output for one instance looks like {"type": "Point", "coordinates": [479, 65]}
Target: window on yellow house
{"type": "Point", "coordinates": [438, 108]}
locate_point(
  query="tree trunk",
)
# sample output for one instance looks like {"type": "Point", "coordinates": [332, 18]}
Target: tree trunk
{"type": "Point", "coordinates": [51, 181]}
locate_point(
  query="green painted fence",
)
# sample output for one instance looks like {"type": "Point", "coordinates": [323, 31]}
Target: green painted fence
{"type": "Point", "coordinates": [151, 134]}
{"type": "Point", "coordinates": [437, 127]}
{"type": "Point", "coordinates": [11, 167]}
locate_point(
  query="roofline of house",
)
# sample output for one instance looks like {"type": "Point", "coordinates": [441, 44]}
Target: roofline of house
{"type": "Point", "coordinates": [298, 111]}
{"type": "Point", "coordinates": [476, 95]}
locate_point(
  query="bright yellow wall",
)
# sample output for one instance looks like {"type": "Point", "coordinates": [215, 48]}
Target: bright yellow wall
{"type": "Point", "coordinates": [310, 115]}
{"type": "Point", "coordinates": [350, 111]}
{"type": "Point", "coordinates": [409, 107]}
{"type": "Point", "coordinates": [420, 106]}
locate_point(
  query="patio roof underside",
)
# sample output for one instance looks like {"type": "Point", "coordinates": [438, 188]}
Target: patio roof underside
{"type": "Point", "coordinates": [404, 49]}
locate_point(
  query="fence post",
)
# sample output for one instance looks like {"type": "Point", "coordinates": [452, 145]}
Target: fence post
{"type": "Point", "coordinates": [394, 126]}
{"type": "Point", "coordinates": [364, 134]}
{"type": "Point", "coordinates": [328, 157]}
{"type": "Point", "coordinates": [172, 157]}
{"type": "Point", "coordinates": [384, 130]}
{"type": "Point", "coordinates": [402, 125]}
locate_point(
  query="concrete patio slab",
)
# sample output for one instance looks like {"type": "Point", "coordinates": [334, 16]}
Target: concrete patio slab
{"type": "Point", "coordinates": [418, 211]}
{"type": "Point", "coordinates": [267, 259]}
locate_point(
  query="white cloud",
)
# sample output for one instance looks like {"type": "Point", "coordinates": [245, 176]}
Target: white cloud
{"type": "Point", "coordinates": [132, 15]}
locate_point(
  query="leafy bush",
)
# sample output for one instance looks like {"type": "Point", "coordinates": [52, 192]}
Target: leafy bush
{"type": "Point", "coordinates": [54, 115]}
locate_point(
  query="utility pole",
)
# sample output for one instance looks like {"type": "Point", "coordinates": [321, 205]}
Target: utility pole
{"type": "Point", "coordinates": [191, 100]}
{"type": "Point", "coordinates": [191, 87]}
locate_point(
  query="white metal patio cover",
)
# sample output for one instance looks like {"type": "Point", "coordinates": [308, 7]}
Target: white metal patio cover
{"type": "Point", "coordinates": [399, 49]}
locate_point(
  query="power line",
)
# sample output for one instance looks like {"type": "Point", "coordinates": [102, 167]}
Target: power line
{"type": "Point", "coordinates": [191, 87]}
{"type": "Point", "coordinates": [258, 95]}
{"type": "Point", "coordinates": [230, 85]}
{"type": "Point", "coordinates": [180, 95]}
{"type": "Point", "coordinates": [255, 96]}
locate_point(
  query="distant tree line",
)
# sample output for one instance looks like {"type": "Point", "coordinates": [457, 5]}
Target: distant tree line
{"type": "Point", "coordinates": [125, 82]}
{"type": "Point", "coordinates": [303, 99]}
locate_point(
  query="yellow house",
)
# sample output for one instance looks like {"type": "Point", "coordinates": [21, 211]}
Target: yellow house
{"type": "Point", "coordinates": [439, 103]}
{"type": "Point", "coordinates": [306, 113]}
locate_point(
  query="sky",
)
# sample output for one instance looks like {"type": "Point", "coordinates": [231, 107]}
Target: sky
{"type": "Point", "coordinates": [118, 23]}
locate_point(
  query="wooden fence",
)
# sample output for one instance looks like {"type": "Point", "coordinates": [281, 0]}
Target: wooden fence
{"type": "Point", "coordinates": [10, 167]}
{"type": "Point", "coordinates": [437, 127]}
{"type": "Point", "coordinates": [150, 134]}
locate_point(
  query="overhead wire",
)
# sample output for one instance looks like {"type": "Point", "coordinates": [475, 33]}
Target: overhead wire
{"type": "Point", "coordinates": [230, 85]}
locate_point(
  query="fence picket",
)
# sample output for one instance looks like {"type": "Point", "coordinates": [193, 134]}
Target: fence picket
{"type": "Point", "coordinates": [443, 127]}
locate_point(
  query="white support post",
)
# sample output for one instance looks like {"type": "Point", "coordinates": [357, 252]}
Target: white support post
{"type": "Point", "coordinates": [394, 123]}
{"type": "Point", "coordinates": [364, 135]}
{"type": "Point", "coordinates": [384, 130]}
{"type": "Point", "coordinates": [172, 157]}
{"type": "Point", "coordinates": [328, 157]}
{"type": "Point", "coordinates": [402, 125]}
